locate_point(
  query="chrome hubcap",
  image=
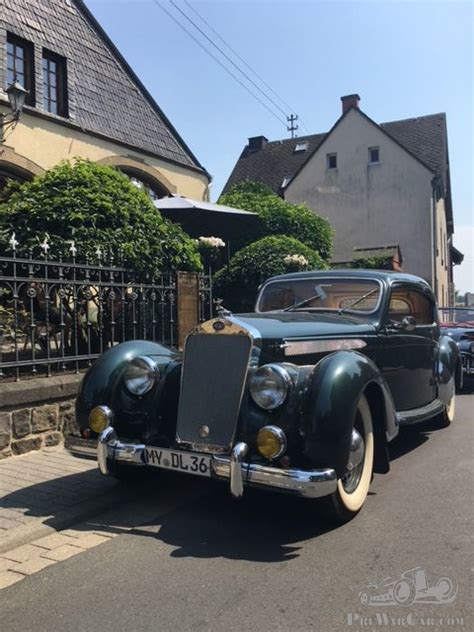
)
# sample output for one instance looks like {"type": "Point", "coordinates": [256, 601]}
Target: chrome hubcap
{"type": "Point", "coordinates": [355, 463]}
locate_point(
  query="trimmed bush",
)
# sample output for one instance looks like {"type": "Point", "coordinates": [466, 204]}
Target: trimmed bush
{"type": "Point", "coordinates": [280, 217]}
{"type": "Point", "coordinates": [238, 283]}
{"type": "Point", "coordinates": [96, 206]}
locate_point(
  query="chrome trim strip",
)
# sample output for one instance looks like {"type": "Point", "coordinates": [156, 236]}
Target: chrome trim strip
{"type": "Point", "coordinates": [307, 347]}
{"type": "Point", "coordinates": [304, 483]}
{"type": "Point", "coordinates": [413, 416]}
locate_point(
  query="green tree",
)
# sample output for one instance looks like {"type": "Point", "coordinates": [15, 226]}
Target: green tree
{"type": "Point", "coordinates": [96, 206]}
{"type": "Point", "coordinates": [238, 283]}
{"type": "Point", "coordinates": [279, 217]}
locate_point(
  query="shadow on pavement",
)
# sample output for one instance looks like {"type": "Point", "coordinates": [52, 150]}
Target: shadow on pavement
{"type": "Point", "coordinates": [261, 527]}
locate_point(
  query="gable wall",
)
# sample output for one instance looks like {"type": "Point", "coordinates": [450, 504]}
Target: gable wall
{"type": "Point", "coordinates": [367, 205]}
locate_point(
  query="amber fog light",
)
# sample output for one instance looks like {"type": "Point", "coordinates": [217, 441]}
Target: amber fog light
{"type": "Point", "coordinates": [99, 418]}
{"type": "Point", "coordinates": [271, 442]}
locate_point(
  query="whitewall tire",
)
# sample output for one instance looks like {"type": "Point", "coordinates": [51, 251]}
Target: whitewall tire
{"type": "Point", "coordinates": [353, 487]}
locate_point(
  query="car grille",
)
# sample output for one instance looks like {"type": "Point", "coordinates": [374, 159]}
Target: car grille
{"type": "Point", "coordinates": [214, 373]}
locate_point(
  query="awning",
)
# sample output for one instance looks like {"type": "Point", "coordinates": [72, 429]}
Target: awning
{"type": "Point", "coordinates": [205, 219]}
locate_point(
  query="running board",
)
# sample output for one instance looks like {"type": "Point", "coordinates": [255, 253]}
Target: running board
{"type": "Point", "coordinates": [408, 417]}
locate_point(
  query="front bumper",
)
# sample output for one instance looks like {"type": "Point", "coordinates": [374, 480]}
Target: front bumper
{"type": "Point", "coordinates": [234, 469]}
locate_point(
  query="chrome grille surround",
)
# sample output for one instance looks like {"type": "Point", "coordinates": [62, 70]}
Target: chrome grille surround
{"type": "Point", "coordinates": [217, 356]}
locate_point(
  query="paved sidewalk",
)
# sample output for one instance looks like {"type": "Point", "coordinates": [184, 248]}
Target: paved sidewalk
{"type": "Point", "coordinates": [42, 492]}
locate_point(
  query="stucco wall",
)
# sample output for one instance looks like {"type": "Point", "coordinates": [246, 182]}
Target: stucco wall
{"type": "Point", "coordinates": [442, 258]}
{"type": "Point", "coordinates": [368, 206]}
{"type": "Point", "coordinates": [45, 143]}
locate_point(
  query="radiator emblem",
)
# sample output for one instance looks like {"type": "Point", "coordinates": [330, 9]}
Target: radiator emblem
{"type": "Point", "coordinates": [218, 325]}
{"type": "Point", "coordinates": [203, 431]}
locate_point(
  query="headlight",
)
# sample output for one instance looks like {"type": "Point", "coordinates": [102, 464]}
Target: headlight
{"type": "Point", "coordinates": [141, 375]}
{"type": "Point", "coordinates": [99, 418]}
{"type": "Point", "coordinates": [271, 442]}
{"type": "Point", "coordinates": [269, 386]}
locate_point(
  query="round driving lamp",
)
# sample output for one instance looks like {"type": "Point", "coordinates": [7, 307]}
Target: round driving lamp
{"type": "Point", "coordinates": [269, 386]}
{"type": "Point", "coordinates": [271, 442]}
{"type": "Point", "coordinates": [100, 418]}
{"type": "Point", "coordinates": [141, 375]}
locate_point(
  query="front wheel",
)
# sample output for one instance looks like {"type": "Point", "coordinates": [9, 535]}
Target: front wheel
{"type": "Point", "coordinates": [353, 487]}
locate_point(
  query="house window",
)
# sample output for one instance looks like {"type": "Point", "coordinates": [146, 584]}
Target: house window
{"type": "Point", "coordinates": [20, 66]}
{"type": "Point", "coordinates": [374, 155]}
{"type": "Point", "coordinates": [54, 84]}
{"type": "Point", "coordinates": [154, 192]}
{"type": "Point", "coordinates": [331, 161]}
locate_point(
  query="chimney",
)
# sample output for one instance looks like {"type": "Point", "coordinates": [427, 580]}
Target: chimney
{"type": "Point", "coordinates": [350, 101]}
{"type": "Point", "coordinates": [256, 143]}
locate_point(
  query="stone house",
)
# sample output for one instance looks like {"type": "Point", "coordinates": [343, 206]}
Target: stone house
{"type": "Point", "coordinates": [378, 184]}
{"type": "Point", "coordinates": [84, 100]}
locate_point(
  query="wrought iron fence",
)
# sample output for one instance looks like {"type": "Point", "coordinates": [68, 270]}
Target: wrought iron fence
{"type": "Point", "coordinates": [61, 315]}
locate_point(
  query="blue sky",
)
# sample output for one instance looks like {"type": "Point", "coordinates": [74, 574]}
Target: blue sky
{"type": "Point", "coordinates": [405, 59]}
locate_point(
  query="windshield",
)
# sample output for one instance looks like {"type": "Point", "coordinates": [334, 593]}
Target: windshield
{"type": "Point", "coordinates": [324, 294]}
{"type": "Point", "coordinates": [461, 316]}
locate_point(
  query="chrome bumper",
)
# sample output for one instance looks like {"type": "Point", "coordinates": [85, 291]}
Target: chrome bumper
{"type": "Point", "coordinates": [304, 483]}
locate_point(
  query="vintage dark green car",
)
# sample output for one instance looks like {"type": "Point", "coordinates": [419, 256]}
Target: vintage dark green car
{"type": "Point", "coordinates": [301, 396]}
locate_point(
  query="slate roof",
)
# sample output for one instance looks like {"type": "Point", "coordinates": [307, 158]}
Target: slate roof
{"type": "Point", "coordinates": [273, 163]}
{"type": "Point", "coordinates": [424, 137]}
{"type": "Point", "coordinates": [105, 95]}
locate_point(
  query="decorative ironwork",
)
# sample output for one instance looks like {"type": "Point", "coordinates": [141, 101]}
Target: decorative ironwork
{"type": "Point", "coordinates": [61, 315]}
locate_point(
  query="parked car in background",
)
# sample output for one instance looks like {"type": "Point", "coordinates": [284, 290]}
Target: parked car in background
{"type": "Point", "coordinates": [458, 324]}
{"type": "Point", "coordinates": [302, 396]}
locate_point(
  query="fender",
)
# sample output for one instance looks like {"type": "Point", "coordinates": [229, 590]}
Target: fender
{"type": "Point", "coordinates": [336, 384]}
{"type": "Point", "coordinates": [449, 369]}
{"type": "Point", "coordinates": [103, 383]}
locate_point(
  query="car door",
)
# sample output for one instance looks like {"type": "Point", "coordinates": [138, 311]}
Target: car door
{"type": "Point", "coordinates": [407, 356]}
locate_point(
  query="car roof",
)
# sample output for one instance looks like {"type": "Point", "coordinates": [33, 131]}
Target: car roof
{"type": "Point", "coordinates": [388, 276]}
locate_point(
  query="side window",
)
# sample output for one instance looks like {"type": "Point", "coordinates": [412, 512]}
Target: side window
{"type": "Point", "coordinates": [408, 302]}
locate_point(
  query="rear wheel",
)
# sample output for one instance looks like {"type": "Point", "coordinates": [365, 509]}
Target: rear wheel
{"type": "Point", "coordinates": [353, 487]}
{"type": "Point", "coordinates": [447, 416]}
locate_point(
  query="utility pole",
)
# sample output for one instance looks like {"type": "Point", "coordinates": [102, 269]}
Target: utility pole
{"type": "Point", "coordinates": [292, 127]}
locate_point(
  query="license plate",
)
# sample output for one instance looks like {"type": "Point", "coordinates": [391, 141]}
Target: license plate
{"type": "Point", "coordinates": [179, 461]}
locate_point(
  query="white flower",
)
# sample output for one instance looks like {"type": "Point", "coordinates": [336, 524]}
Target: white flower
{"type": "Point", "coordinates": [296, 260]}
{"type": "Point", "coordinates": [212, 242]}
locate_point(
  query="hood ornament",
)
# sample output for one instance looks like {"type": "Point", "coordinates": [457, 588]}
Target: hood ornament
{"type": "Point", "coordinates": [222, 312]}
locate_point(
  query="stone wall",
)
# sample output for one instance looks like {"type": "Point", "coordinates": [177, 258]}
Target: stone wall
{"type": "Point", "coordinates": [36, 413]}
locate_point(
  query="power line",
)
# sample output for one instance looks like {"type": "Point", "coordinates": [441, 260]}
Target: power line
{"type": "Point", "coordinates": [229, 59]}
{"type": "Point", "coordinates": [241, 59]}
{"type": "Point", "coordinates": [216, 59]}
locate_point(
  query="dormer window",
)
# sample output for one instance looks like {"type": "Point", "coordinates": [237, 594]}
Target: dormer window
{"type": "Point", "coordinates": [331, 162]}
{"type": "Point", "coordinates": [300, 147]}
{"type": "Point", "coordinates": [20, 65]}
{"type": "Point", "coordinates": [54, 84]}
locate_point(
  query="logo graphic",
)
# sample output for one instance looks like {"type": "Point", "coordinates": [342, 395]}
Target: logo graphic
{"type": "Point", "coordinates": [218, 325]}
{"type": "Point", "coordinates": [412, 586]}
{"type": "Point", "coordinates": [204, 431]}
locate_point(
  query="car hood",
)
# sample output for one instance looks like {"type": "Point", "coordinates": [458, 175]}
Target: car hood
{"type": "Point", "coordinates": [291, 325]}
{"type": "Point", "coordinates": [458, 332]}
